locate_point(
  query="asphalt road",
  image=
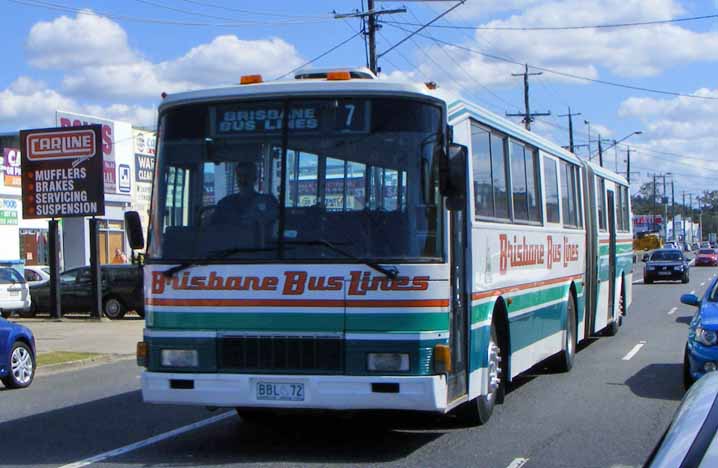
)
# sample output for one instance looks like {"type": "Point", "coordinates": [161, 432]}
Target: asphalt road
{"type": "Point", "coordinates": [608, 411]}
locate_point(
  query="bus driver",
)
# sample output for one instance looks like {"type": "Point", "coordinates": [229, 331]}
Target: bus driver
{"type": "Point", "coordinates": [246, 204]}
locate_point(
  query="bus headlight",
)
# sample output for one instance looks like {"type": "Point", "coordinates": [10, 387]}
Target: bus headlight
{"type": "Point", "coordinates": [390, 362]}
{"type": "Point", "coordinates": [706, 337]}
{"type": "Point", "coordinates": [180, 358]}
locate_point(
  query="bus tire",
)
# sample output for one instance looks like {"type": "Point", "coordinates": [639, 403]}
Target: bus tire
{"type": "Point", "coordinates": [257, 416]}
{"type": "Point", "coordinates": [566, 357]}
{"type": "Point", "coordinates": [479, 410]}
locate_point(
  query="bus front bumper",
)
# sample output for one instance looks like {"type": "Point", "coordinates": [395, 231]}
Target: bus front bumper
{"type": "Point", "coordinates": [341, 392]}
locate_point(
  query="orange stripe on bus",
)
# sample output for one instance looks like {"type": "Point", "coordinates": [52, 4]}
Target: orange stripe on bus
{"type": "Point", "coordinates": [521, 287]}
{"type": "Point", "coordinates": [297, 302]}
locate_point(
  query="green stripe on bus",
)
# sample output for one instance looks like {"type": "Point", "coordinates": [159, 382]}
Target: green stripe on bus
{"type": "Point", "coordinates": [230, 321]}
{"type": "Point", "coordinates": [481, 312]}
{"type": "Point", "coordinates": [430, 321]}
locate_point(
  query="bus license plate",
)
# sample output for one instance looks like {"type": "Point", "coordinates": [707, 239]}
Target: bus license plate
{"type": "Point", "coordinates": [14, 292]}
{"type": "Point", "coordinates": [280, 391]}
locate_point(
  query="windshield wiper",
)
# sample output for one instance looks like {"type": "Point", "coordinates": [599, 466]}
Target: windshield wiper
{"type": "Point", "coordinates": [390, 272]}
{"type": "Point", "coordinates": [213, 255]}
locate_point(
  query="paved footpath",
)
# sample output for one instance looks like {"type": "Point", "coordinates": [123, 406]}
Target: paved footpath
{"type": "Point", "coordinates": [83, 335]}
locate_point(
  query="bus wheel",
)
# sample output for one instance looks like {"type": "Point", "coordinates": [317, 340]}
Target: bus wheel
{"type": "Point", "coordinates": [257, 416]}
{"type": "Point", "coordinates": [565, 359]}
{"type": "Point", "coordinates": [478, 411]}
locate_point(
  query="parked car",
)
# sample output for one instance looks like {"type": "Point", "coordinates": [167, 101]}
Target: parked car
{"type": "Point", "coordinates": [690, 439]}
{"type": "Point", "coordinates": [666, 264]}
{"type": "Point", "coordinates": [705, 245]}
{"type": "Point", "coordinates": [121, 291]}
{"type": "Point", "coordinates": [670, 245]}
{"type": "Point", "coordinates": [36, 274]}
{"type": "Point", "coordinates": [695, 246]}
{"type": "Point", "coordinates": [14, 293]}
{"type": "Point", "coordinates": [707, 257]}
{"type": "Point", "coordinates": [714, 244]}
{"type": "Point", "coordinates": [701, 352]}
{"type": "Point", "coordinates": [17, 355]}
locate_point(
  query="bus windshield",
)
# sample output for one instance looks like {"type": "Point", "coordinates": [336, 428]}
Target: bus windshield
{"type": "Point", "coordinates": [293, 179]}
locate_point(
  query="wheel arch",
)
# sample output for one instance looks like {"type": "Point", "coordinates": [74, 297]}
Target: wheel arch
{"type": "Point", "coordinates": [500, 312]}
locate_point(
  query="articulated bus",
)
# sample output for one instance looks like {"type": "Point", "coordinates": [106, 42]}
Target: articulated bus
{"type": "Point", "coordinates": [338, 242]}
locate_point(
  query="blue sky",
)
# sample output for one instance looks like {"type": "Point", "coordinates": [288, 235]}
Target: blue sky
{"type": "Point", "coordinates": [115, 59]}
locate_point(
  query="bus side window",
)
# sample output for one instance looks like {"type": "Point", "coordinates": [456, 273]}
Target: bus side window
{"type": "Point", "coordinates": [551, 182]}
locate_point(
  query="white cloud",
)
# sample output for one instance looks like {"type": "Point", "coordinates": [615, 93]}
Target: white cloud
{"type": "Point", "coordinates": [27, 103]}
{"type": "Point", "coordinates": [220, 62]}
{"type": "Point", "coordinates": [86, 40]}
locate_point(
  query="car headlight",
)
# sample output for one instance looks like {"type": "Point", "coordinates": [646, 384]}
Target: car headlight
{"type": "Point", "coordinates": [650, 268]}
{"type": "Point", "coordinates": [180, 358]}
{"type": "Point", "coordinates": [678, 267]}
{"type": "Point", "coordinates": [392, 362]}
{"type": "Point", "coordinates": [706, 337]}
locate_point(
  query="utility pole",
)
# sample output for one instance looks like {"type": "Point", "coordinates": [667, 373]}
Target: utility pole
{"type": "Point", "coordinates": [673, 209]}
{"type": "Point", "coordinates": [570, 128]}
{"type": "Point", "coordinates": [653, 212]}
{"type": "Point", "coordinates": [371, 28]}
{"type": "Point", "coordinates": [683, 216]}
{"type": "Point", "coordinates": [600, 151]}
{"type": "Point", "coordinates": [690, 202]}
{"type": "Point", "coordinates": [628, 164]}
{"type": "Point", "coordinates": [664, 200]}
{"type": "Point", "coordinates": [528, 117]}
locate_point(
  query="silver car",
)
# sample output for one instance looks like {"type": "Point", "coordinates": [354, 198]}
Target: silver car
{"type": "Point", "coordinates": [690, 440]}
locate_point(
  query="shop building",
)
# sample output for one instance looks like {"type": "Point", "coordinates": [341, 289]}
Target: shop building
{"type": "Point", "coordinates": [128, 169]}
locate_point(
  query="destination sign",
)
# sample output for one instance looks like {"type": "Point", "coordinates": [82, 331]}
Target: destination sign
{"type": "Point", "coordinates": [61, 172]}
{"type": "Point", "coordinates": [344, 116]}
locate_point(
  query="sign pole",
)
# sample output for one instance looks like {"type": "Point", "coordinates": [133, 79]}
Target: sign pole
{"type": "Point", "coordinates": [53, 240]}
{"type": "Point", "coordinates": [95, 271]}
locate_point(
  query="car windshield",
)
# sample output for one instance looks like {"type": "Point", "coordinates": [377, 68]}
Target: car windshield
{"type": "Point", "coordinates": [358, 173]}
{"type": "Point", "coordinates": [666, 255]}
{"type": "Point", "coordinates": [707, 251]}
{"type": "Point", "coordinates": [10, 275]}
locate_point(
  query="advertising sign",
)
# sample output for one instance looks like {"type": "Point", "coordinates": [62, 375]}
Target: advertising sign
{"type": "Point", "coordinates": [11, 166]}
{"type": "Point", "coordinates": [107, 142]}
{"type": "Point", "coordinates": [125, 179]}
{"type": "Point", "coordinates": [61, 172]}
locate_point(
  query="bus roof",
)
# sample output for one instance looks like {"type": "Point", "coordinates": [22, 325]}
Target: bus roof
{"type": "Point", "coordinates": [607, 174]}
{"type": "Point", "coordinates": [312, 87]}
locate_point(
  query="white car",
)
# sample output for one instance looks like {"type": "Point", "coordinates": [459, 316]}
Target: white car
{"type": "Point", "coordinates": [37, 274]}
{"type": "Point", "coordinates": [14, 292]}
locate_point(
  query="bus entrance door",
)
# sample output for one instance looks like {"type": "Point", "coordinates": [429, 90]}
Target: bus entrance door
{"type": "Point", "coordinates": [611, 254]}
{"type": "Point", "coordinates": [458, 319]}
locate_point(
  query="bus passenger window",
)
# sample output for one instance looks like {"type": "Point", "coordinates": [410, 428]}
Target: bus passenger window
{"type": "Point", "coordinates": [601, 202]}
{"type": "Point", "coordinates": [481, 161]}
{"type": "Point", "coordinates": [551, 182]}
{"type": "Point", "coordinates": [518, 182]}
{"type": "Point", "coordinates": [356, 186]}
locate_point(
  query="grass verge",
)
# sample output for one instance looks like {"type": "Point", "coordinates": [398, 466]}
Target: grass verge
{"type": "Point", "coordinates": [59, 357]}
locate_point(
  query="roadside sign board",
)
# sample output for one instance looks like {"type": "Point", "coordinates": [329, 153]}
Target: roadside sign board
{"type": "Point", "coordinates": [62, 172]}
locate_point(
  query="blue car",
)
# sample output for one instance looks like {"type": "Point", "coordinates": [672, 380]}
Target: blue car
{"type": "Point", "coordinates": [17, 355]}
{"type": "Point", "coordinates": [701, 353]}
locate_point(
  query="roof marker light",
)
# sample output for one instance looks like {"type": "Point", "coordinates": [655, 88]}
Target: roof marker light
{"type": "Point", "coordinates": [250, 79]}
{"type": "Point", "coordinates": [339, 75]}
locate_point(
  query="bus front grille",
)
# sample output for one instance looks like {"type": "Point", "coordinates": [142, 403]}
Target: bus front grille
{"type": "Point", "coordinates": [281, 354]}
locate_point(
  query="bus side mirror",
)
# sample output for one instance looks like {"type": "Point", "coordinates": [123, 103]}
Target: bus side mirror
{"type": "Point", "coordinates": [453, 176]}
{"type": "Point", "coordinates": [133, 228]}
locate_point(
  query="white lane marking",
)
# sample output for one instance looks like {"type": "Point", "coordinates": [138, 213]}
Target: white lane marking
{"type": "Point", "coordinates": [152, 440]}
{"type": "Point", "coordinates": [672, 311]}
{"type": "Point", "coordinates": [633, 351]}
{"type": "Point", "coordinates": [518, 462]}
{"type": "Point", "coordinates": [703, 283]}
{"type": "Point", "coordinates": [692, 292]}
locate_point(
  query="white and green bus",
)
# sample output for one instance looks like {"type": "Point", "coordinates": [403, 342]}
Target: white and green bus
{"type": "Point", "coordinates": [344, 243]}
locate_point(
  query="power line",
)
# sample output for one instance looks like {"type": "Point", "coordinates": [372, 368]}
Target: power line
{"type": "Point", "coordinates": [252, 12]}
{"type": "Point", "coordinates": [324, 54]}
{"type": "Point", "coordinates": [566, 28]}
{"type": "Point", "coordinates": [568, 75]}
{"type": "Point", "coordinates": [138, 19]}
